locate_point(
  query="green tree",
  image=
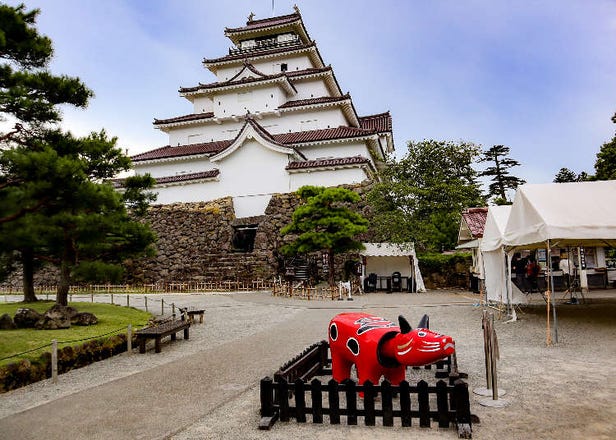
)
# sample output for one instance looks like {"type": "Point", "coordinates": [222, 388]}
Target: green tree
{"type": "Point", "coordinates": [501, 180]}
{"type": "Point", "coordinates": [567, 175]}
{"type": "Point", "coordinates": [325, 222]}
{"type": "Point", "coordinates": [54, 203]}
{"type": "Point", "coordinates": [420, 197]}
{"type": "Point", "coordinates": [605, 165]}
{"type": "Point", "coordinates": [28, 91]}
{"type": "Point", "coordinates": [86, 226]}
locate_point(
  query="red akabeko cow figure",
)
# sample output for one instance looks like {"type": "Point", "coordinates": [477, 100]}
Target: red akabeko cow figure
{"type": "Point", "coordinates": [378, 347]}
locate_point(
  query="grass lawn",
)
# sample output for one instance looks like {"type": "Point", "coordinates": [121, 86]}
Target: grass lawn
{"type": "Point", "coordinates": [112, 319]}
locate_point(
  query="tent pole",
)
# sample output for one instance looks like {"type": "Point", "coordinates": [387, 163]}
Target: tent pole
{"type": "Point", "coordinates": [508, 288]}
{"type": "Point", "coordinates": [550, 297]}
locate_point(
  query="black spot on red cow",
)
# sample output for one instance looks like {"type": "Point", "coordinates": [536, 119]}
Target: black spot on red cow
{"type": "Point", "coordinates": [353, 346]}
{"type": "Point", "coordinates": [333, 332]}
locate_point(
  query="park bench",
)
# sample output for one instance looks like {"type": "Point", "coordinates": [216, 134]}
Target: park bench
{"type": "Point", "coordinates": [191, 313]}
{"type": "Point", "coordinates": [157, 332]}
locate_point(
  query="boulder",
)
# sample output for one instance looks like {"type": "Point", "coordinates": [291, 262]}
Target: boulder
{"type": "Point", "coordinates": [56, 317]}
{"type": "Point", "coordinates": [6, 322]}
{"type": "Point", "coordinates": [84, 318]}
{"type": "Point", "coordinates": [26, 318]}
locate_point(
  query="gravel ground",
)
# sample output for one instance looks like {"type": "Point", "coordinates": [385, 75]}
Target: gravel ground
{"type": "Point", "coordinates": [561, 391]}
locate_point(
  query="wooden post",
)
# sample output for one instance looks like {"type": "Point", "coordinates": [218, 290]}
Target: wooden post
{"type": "Point", "coordinates": [111, 298]}
{"type": "Point", "coordinates": [267, 397]}
{"type": "Point", "coordinates": [283, 399]}
{"type": "Point", "coordinates": [351, 398]}
{"type": "Point", "coordinates": [145, 298]}
{"type": "Point", "coordinates": [173, 309]}
{"type": "Point", "coordinates": [334, 402]}
{"type": "Point", "coordinates": [463, 409]}
{"type": "Point", "coordinates": [405, 403]}
{"type": "Point", "coordinates": [387, 403]}
{"type": "Point", "coordinates": [127, 300]}
{"type": "Point", "coordinates": [162, 306]}
{"type": "Point", "coordinates": [317, 401]}
{"type": "Point", "coordinates": [369, 395]}
{"type": "Point", "coordinates": [300, 401]}
{"type": "Point", "coordinates": [441, 404]}
{"type": "Point", "coordinates": [54, 361]}
{"type": "Point", "coordinates": [424, 404]}
{"type": "Point", "coordinates": [92, 296]}
{"type": "Point", "coordinates": [129, 339]}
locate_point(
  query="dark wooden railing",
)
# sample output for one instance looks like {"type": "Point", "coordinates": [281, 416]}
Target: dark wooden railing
{"type": "Point", "coordinates": [290, 395]}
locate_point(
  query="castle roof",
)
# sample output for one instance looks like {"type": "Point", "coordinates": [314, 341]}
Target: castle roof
{"type": "Point", "coordinates": [380, 122]}
{"type": "Point", "coordinates": [290, 49]}
{"type": "Point", "coordinates": [327, 163]}
{"type": "Point", "coordinates": [475, 219]}
{"type": "Point", "coordinates": [283, 139]}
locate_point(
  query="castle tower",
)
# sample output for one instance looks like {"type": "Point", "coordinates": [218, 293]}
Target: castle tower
{"type": "Point", "coordinates": [274, 120]}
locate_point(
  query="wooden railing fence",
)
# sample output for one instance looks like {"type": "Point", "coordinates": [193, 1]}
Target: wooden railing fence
{"type": "Point", "coordinates": [290, 395]}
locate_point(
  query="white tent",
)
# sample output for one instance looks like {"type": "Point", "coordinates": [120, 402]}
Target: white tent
{"type": "Point", "coordinates": [562, 214]}
{"type": "Point", "coordinates": [386, 258]}
{"type": "Point", "coordinates": [567, 214]}
{"type": "Point", "coordinates": [498, 285]}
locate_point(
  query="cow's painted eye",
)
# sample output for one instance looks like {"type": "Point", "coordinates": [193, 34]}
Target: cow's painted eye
{"type": "Point", "coordinates": [353, 346]}
{"type": "Point", "coordinates": [421, 334]}
{"type": "Point", "coordinates": [333, 332]}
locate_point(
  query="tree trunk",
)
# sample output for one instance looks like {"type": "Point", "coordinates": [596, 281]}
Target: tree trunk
{"type": "Point", "coordinates": [63, 284]}
{"type": "Point", "coordinates": [69, 257]}
{"type": "Point", "coordinates": [27, 261]}
{"type": "Point", "coordinates": [331, 275]}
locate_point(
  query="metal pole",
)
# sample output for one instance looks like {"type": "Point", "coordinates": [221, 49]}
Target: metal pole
{"type": "Point", "coordinates": [146, 303]}
{"type": "Point", "coordinates": [54, 361]}
{"type": "Point", "coordinates": [127, 300]}
{"type": "Point", "coordinates": [162, 306]}
{"type": "Point", "coordinates": [129, 339]}
{"type": "Point", "coordinates": [552, 298]}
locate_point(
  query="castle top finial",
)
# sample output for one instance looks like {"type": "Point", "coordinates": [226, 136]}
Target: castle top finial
{"type": "Point", "coordinates": [296, 9]}
{"type": "Point", "coordinates": [251, 16]}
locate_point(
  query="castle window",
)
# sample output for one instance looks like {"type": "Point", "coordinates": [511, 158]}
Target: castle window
{"type": "Point", "coordinates": [284, 67]}
{"type": "Point", "coordinates": [244, 238]}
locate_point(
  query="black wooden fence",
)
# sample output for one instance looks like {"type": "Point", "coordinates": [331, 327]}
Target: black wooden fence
{"type": "Point", "coordinates": [290, 395]}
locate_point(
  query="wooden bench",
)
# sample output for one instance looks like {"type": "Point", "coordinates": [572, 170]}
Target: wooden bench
{"type": "Point", "coordinates": [191, 313]}
{"type": "Point", "coordinates": [158, 332]}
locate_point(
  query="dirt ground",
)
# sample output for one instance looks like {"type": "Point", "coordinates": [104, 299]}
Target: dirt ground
{"type": "Point", "coordinates": [561, 391]}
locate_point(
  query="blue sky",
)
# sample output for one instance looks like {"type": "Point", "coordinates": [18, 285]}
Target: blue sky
{"type": "Point", "coordinates": [537, 76]}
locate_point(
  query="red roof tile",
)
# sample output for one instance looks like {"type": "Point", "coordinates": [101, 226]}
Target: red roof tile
{"type": "Point", "coordinates": [284, 139]}
{"type": "Point", "coordinates": [311, 101]}
{"type": "Point", "coordinates": [292, 74]}
{"type": "Point", "coordinates": [475, 219]}
{"type": "Point", "coordinates": [380, 122]}
{"type": "Point", "coordinates": [247, 80]}
{"type": "Point", "coordinates": [187, 177]}
{"type": "Point", "coordinates": [265, 22]}
{"type": "Point", "coordinates": [300, 137]}
{"type": "Point", "coordinates": [242, 55]}
{"type": "Point", "coordinates": [318, 163]}
{"type": "Point", "coordinates": [183, 150]}
{"type": "Point", "coordinates": [184, 118]}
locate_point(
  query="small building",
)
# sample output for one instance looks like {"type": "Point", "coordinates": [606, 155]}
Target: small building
{"type": "Point", "coordinates": [391, 267]}
{"type": "Point", "coordinates": [472, 225]}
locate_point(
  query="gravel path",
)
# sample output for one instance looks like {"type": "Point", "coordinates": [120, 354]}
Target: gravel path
{"type": "Point", "coordinates": [207, 387]}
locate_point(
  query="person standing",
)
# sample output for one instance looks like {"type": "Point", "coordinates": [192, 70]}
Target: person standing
{"type": "Point", "coordinates": [567, 268]}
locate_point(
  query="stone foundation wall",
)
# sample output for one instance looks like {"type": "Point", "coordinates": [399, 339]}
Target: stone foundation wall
{"type": "Point", "coordinates": [194, 243]}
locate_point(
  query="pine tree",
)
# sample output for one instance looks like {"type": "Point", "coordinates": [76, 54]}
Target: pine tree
{"type": "Point", "coordinates": [54, 203]}
{"type": "Point", "coordinates": [605, 165]}
{"type": "Point", "coordinates": [325, 222]}
{"type": "Point", "coordinates": [501, 180]}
